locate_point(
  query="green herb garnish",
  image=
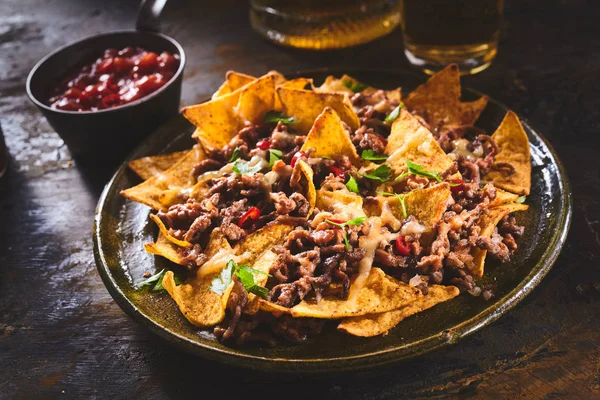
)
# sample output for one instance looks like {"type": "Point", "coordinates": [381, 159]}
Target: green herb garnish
{"type": "Point", "coordinates": [352, 185]}
{"type": "Point", "coordinates": [400, 198]}
{"type": "Point", "coordinates": [355, 221]}
{"type": "Point", "coordinates": [417, 169]}
{"type": "Point", "coordinates": [245, 274]}
{"type": "Point", "coordinates": [383, 173]}
{"type": "Point", "coordinates": [274, 156]}
{"type": "Point", "coordinates": [155, 281]}
{"type": "Point", "coordinates": [274, 117]}
{"type": "Point", "coordinates": [237, 153]}
{"type": "Point", "coordinates": [356, 87]}
{"type": "Point", "coordinates": [521, 199]}
{"type": "Point", "coordinates": [394, 114]}
{"type": "Point", "coordinates": [242, 168]}
{"type": "Point", "coordinates": [370, 155]}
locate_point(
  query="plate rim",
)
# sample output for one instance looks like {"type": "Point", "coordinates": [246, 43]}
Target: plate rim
{"type": "Point", "coordinates": [366, 360]}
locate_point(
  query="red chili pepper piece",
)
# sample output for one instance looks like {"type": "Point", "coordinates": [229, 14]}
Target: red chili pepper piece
{"type": "Point", "coordinates": [337, 172]}
{"type": "Point", "coordinates": [249, 218]}
{"type": "Point", "coordinates": [456, 185]}
{"type": "Point", "coordinates": [297, 156]}
{"type": "Point", "coordinates": [383, 140]}
{"type": "Point", "coordinates": [263, 144]}
{"type": "Point", "coordinates": [337, 221]}
{"type": "Point", "coordinates": [401, 246]}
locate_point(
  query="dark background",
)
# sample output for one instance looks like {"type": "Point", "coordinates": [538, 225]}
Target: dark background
{"type": "Point", "coordinates": [61, 334]}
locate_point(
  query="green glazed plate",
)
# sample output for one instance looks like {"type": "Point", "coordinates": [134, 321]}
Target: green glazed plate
{"type": "Point", "coordinates": [122, 227]}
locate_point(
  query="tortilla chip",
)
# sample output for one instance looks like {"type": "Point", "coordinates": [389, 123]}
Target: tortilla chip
{"type": "Point", "coordinates": [147, 167]}
{"type": "Point", "coordinates": [303, 175]}
{"type": "Point", "coordinates": [340, 202]}
{"type": "Point", "coordinates": [376, 324]}
{"type": "Point", "coordinates": [220, 119]}
{"type": "Point", "coordinates": [503, 197]}
{"type": "Point", "coordinates": [256, 99]}
{"type": "Point", "coordinates": [199, 305]}
{"type": "Point", "coordinates": [262, 240]}
{"type": "Point", "coordinates": [487, 224]}
{"type": "Point", "coordinates": [329, 138]}
{"type": "Point", "coordinates": [164, 248]}
{"type": "Point", "coordinates": [233, 81]}
{"type": "Point", "coordinates": [379, 294]}
{"type": "Point", "coordinates": [164, 189]}
{"type": "Point", "coordinates": [335, 85]}
{"type": "Point", "coordinates": [438, 101]}
{"type": "Point", "coordinates": [263, 264]}
{"type": "Point", "coordinates": [426, 205]}
{"type": "Point", "coordinates": [410, 140]}
{"type": "Point", "coordinates": [305, 106]}
{"type": "Point", "coordinates": [513, 148]}
{"type": "Point", "coordinates": [165, 232]}
{"type": "Point", "coordinates": [298, 83]}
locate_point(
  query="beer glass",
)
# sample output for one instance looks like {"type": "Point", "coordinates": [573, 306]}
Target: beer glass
{"type": "Point", "coordinates": [323, 24]}
{"type": "Point", "coordinates": [442, 32]}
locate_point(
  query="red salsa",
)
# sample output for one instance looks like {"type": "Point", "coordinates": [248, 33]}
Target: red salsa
{"type": "Point", "coordinates": [118, 77]}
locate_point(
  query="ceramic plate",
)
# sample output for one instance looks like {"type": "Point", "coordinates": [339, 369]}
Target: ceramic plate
{"type": "Point", "coordinates": [122, 227]}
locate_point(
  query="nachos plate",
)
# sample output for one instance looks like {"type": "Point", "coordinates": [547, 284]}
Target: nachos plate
{"type": "Point", "coordinates": [334, 308]}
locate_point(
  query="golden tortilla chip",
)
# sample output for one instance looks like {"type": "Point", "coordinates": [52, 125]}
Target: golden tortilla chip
{"type": "Point", "coordinates": [199, 305]}
{"type": "Point", "coordinates": [166, 188]}
{"type": "Point", "coordinates": [329, 138]}
{"type": "Point", "coordinates": [513, 149]}
{"type": "Point", "coordinates": [342, 203]}
{"type": "Point", "coordinates": [219, 120]}
{"type": "Point", "coordinates": [343, 85]}
{"type": "Point", "coordinates": [306, 105]}
{"type": "Point", "coordinates": [262, 240]}
{"type": "Point", "coordinates": [298, 83]}
{"type": "Point", "coordinates": [503, 197]}
{"type": "Point", "coordinates": [409, 140]}
{"type": "Point", "coordinates": [488, 223]}
{"type": "Point", "coordinates": [438, 101]}
{"type": "Point", "coordinates": [302, 175]}
{"type": "Point", "coordinates": [164, 248]}
{"type": "Point", "coordinates": [165, 232]}
{"type": "Point", "coordinates": [426, 205]}
{"type": "Point", "coordinates": [376, 324]}
{"type": "Point", "coordinates": [379, 294]}
{"type": "Point", "coordinates": [263, 264]}
{"type": "Point", "coordinates": [233, 81]}
{"type": "Point", "coordinates": [147, 167]}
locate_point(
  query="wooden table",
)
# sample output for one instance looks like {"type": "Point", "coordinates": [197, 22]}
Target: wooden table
{"type": "Point", "coordinates": [61, 334]}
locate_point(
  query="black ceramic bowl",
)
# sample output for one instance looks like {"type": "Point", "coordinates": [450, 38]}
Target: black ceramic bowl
{"type": "Point", "coordinates": [112, 132]}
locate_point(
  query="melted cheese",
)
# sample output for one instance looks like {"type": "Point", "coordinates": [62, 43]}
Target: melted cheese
{"type": "Point", "coordinates": [461, 148]}
{"type": "Point", "coordinates": [388, 218]}
{"type": "Point", "coordinates": [370, 244]}
{"type": "Point", "coordinates": [219, 261]}
{"type": "Point", "coordinates": [412, 227]}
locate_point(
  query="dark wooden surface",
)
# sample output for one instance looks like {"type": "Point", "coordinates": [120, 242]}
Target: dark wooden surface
{"type": "Point", "coordinates": [61, 334]}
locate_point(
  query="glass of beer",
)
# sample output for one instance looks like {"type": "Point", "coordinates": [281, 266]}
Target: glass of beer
{"type": "Point", "coordinates": [442, 32]}
{"type": "Point", "coordinates": [324, 24]}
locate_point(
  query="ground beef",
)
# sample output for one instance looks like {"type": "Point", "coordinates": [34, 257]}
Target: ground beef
{"type": "Point", "coordinates": [208, 164]}
{"type": "Point", "coordinates": [238, 299]}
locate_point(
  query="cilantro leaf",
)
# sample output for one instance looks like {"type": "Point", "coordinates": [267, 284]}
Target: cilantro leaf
{"type": "Point", "coordinates": [220, 282]}
{"type": "Point", "coordinates": [356, 87]}
{"type": "Point", "coordinates": [237, 153]}
{"type": "Point", "coordinates": [394, 114]}
{"type": "Point", "coordinates": [274, 156]}
{"type": "Point", "coordinates": [370, 155]}
{"type": "Point", "coordinates": [521, 199]}
{"type": "Point", "coordinates": [355, 221]}
{"type": "Point", "coordinates": [417, 169]}
{"type": "Point", "coordinates": [242, 168]}
{"type": "Point", "coordinates": [155, 281]}
{"type": "Point", "coordinates": [382, 173]}
{"type": "Point", "coordinates": [273, 117]}
{"type": "Point", "coordinates": [245, 274]}
{"type": "Point", "coordinates": [352, 185]}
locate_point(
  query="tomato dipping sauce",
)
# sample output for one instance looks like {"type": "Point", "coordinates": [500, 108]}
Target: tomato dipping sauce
{"type": "Point", "coordinates": [118, 77]}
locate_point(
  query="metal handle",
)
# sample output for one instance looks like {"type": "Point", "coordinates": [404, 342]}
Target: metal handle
{"type": "Point", "coordinates": [149, 15]}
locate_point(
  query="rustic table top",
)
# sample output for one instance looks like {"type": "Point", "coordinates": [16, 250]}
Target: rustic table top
{"type": "Point", "coordinates": [62, 335]}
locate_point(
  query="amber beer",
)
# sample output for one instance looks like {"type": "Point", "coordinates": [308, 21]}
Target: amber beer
{"type": "Point", "coordinates": [324, 24]}
{"type": "Point", "coordinates": [440, 32]}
